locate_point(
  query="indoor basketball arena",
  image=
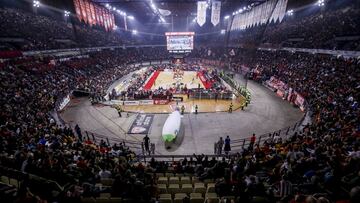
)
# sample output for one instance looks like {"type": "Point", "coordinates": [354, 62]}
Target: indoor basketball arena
{"type": "Point", "coordinates": [180, 101]}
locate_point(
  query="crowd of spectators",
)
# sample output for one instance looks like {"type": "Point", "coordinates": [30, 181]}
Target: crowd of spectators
{"type": "Point", "coordinates": [21, 28]}
{"type": "Point", "coordinates": [323, 158]}
{"type": "Point", "coordinates": [335, 26]}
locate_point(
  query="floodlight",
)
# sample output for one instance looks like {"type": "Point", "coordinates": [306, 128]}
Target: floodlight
{"type": "Point", "coordinates": [321, 3]}
{"type": "Point", "coordinates": [66, 13]}
{"type": "Point", "coordinates": [36, 4]}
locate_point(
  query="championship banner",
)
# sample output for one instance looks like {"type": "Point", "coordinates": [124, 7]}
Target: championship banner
{"type": "Point", "coordinates": [141, 124]}
{"type": "Point", "coordinates": [201, 13]}
{"type": "Point", "coordinates": [83, 10]}
{"type": "Point", "coordinates": [215, 12]}
{"type": "Point", "coordinates": [92, 9]}
{"type": "Point", "coordinates": [78, 9]}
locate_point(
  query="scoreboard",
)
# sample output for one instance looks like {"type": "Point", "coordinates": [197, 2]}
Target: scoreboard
{"type": "Point", "coordinates": [179, 42]}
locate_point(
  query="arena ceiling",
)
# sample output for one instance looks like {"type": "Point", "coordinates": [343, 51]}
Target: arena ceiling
{"type": "Point", "coordinates": [182, 12]}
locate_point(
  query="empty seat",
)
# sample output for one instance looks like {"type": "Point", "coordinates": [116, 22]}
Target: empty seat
{"type": "Point", "coordinates": [165, 200]}
{"type": "Point", "coordinates": [5, 179]}
{"type": "Point", "coordinates": [179, 197]}
{"type": "Point", "coordinates": [195, 195]}
{"type": "Point", "coordinates": [165, 195]}
{"type": "Point", "coordinates": [211, 195]}
{"type": "Point", "coordinates": [210, 188]}
{"type": "Point", "coordinates": [174, 188]}
{"type": "Point", "coordinates": [199, 188]}
{"type": "Point", "coordinates": [187, 188]}
{"type": "Point", "coordinates": [195, 180]}
{"type": "Point", "coordinates": [169, 174]}
{"type": "Point", "coordinates": [196, 200]}
{"type": "Point", "coordinates": [185, 180]}
{"type": "Point", "coordinates": [174, 180]}
{"type": "Point", "coordinates": [199, 184]}
{"type": "Point", "coordinates": [14, 182]}
{"type": "Point", "coordinates": [163, 180]}
{"type": "Point", "coordinates": [162, 188]}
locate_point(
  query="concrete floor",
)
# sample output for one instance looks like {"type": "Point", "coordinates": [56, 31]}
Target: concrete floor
{"type": "Point", "coordinates": [266, 113]}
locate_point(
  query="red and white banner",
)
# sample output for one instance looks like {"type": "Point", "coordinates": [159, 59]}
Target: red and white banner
{"type": "Point", "coordinates": [94, 14]}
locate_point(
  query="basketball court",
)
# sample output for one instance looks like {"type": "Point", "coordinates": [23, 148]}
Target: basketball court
{"type": "Point", "coordinates": [166, 80]}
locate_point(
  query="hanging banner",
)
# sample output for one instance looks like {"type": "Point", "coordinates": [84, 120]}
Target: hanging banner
{"type": "Point", "coordinates": [201, 13]}
{"type": "Point", "coordinates": [78, 9]}
{"type": "Point", "coordinates": [125, 23]}
{"type": "Point", "coordinates": [215, 12]}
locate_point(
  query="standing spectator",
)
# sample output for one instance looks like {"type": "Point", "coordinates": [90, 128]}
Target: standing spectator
{"type": "Point", "coordinates": [252, 141]}
{"type": "Point", "coordinates": [78, 132]}
{"type": "Point", "coordinates": [147, 144]}
{"type": "Point", "coordinates": [227, 147]}
{"type": "Point", "coordinates": [220, 145]}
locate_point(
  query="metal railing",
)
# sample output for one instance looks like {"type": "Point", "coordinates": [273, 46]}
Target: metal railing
{"type": "Point", "coordinates": [238, 145]}
{"type": "Point", "coordinates": [136, 146]}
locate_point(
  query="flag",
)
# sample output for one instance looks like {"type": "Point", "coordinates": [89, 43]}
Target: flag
{"type": "Point", "coordinates": [232, 52]}
{"type": "Point", "coordinates": [215, 12]}
{"type": "Point", "coordinates": [201, 12]}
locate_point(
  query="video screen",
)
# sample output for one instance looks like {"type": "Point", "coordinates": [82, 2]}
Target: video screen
{"type": "Point", "coordinates": [179, 41]}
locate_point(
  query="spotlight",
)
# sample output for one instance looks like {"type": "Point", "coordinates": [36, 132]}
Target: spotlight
{"type": "Point", "coordinates": [134, 32]}
{"type": "Point", "coordinates": [153, 6]}
{"type": "Point", "coordinates": [223, 31]}
{"type": "Point", "coordinates": [290, 12]}
{"type": "Point", "coordinates": [131, 17]}
{"type": "Point", "coordinates": [226, 17]}
{"type": "Point", "coordinates": [36, 4]}
{"type": "Point", "coordinates": [321, 3]}
{"type": "Point", "coordinates": [66, 13]}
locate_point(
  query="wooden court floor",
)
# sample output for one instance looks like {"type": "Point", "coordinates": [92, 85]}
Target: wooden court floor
{"type": "Point", "coordinates": [204, 105]}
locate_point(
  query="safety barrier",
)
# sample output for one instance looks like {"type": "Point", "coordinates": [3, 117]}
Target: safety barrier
{"type": "Point", "coordinates": [135, 146]}
{"type": "Point", "coordinates": [238, 145]}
